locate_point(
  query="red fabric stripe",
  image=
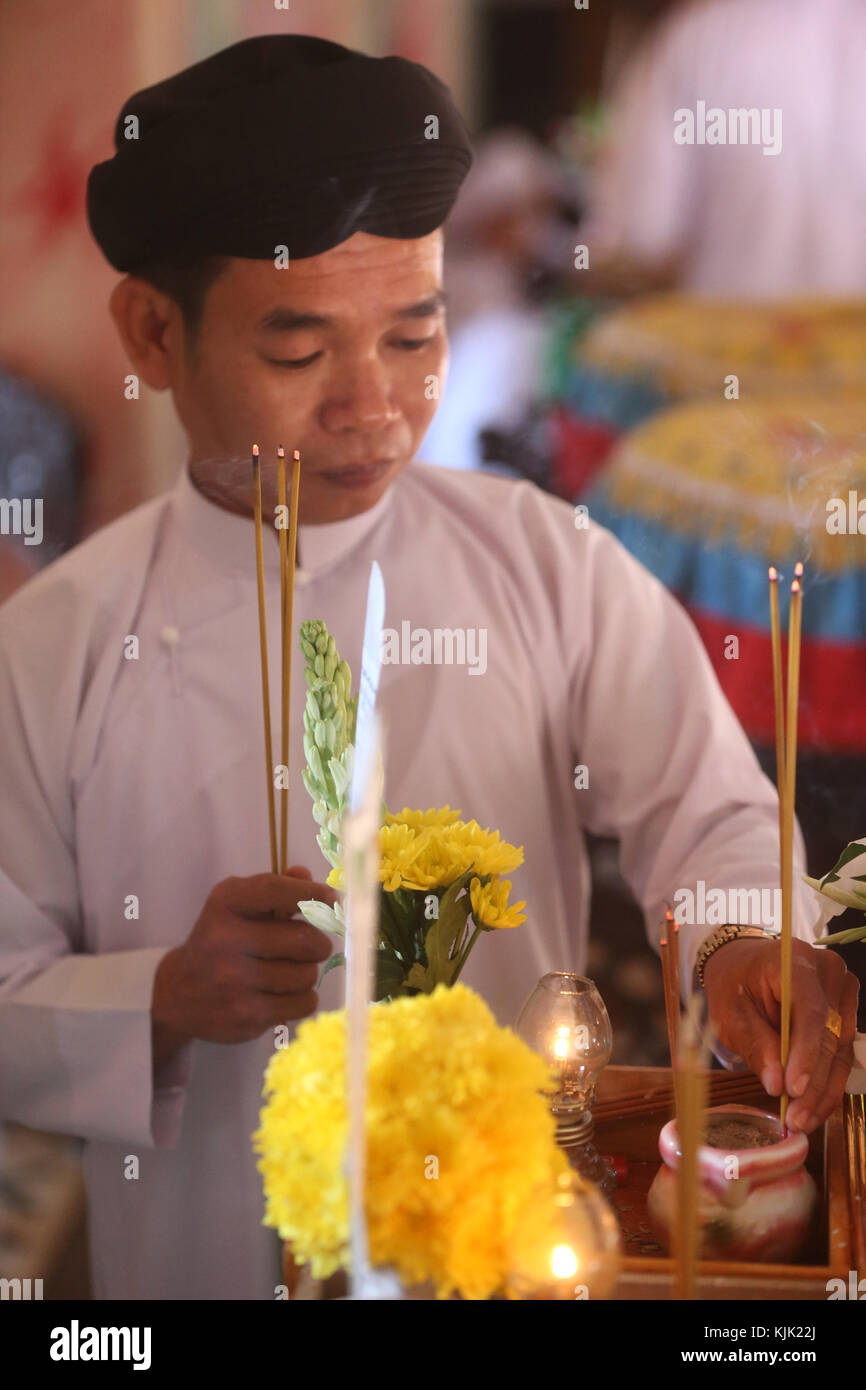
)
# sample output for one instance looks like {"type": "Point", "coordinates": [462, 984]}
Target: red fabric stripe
{"type": "Point", "coordinates": [832, 685]}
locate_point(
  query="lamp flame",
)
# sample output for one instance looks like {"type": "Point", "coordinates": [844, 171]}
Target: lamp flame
{"type": "Point", "coordinates": [563, 1262]}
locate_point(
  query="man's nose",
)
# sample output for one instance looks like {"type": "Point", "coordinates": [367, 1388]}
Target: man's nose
{"type": "Point", "coordinates": [360, 397]}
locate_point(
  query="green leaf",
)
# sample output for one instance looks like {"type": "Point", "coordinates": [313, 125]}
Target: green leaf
{"type": "Point", "coordinates": [390, 975]}
{"type": "Point", "coordinates": [446, 931]}
{"type": "Point", "coordinates": [422, 978]}
{"type": "Point", "coordinates": [842, 938]}
{"type": "Point", "coordinates": [852, 851]}
{"type": "Point", "coordinates": [397, 926]}
{"type": "Point", "coordinates": [338, 958]}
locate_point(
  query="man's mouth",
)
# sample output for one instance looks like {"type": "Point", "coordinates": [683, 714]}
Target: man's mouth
{"type": "Point", "coordinates": [358, 474]}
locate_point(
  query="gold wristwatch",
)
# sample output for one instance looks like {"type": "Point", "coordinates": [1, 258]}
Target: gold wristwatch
{"type": "Point", "coordinates": [720, 937]}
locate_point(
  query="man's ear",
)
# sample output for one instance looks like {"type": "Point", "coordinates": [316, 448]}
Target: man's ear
{"type": "Point", "coordinates": [151, 329]}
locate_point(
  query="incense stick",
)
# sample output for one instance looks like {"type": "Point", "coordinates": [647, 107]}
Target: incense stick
{"type": "Point", "coordinates": [674, 938]}
{"type": "Point", "coordinates": [691, 1107]}
{"type": "Point", "coordinates": [288, 549]}
{"type": "Point", "coordinates": [288, 619]}
{"type": "Point", "coordinates": [263, 642]}
{"type": "Point", "coordinates": [666, 948]}
{"type": "Point", "coordinates": [284, 648]}
{"type": "Point", "coordinates": [777, 691]}
{"type": "Point", "coordinates": [787, 849]}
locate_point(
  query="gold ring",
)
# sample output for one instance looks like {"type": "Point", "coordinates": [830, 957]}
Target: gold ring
{"type": "Point", "coordinates": [834, 1023]}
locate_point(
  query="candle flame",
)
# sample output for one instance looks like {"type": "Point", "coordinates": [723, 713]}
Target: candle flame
{"type": "Point", "coordinates": [560, 1042]}
{"type": "Point", "coordinates": [563, 1262]}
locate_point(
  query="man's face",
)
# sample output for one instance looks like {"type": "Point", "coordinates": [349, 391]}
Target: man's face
{"type": "Point", "coordinates": [332, 356]}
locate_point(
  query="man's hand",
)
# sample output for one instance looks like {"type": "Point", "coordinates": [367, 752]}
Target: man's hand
{"type": "Point", "coordinates": [240, 971]}
{"type": "Point", "coordinates": [742, 981]}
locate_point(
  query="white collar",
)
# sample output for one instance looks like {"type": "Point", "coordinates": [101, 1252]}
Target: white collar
{"type": "Point", "coordinates": [227, 538]}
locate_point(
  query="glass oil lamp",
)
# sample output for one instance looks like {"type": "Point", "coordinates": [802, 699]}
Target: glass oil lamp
{"type": "Point", "coordinates": [565, 1021]}
{"type": "Point", "coordinates": [567, 1246]}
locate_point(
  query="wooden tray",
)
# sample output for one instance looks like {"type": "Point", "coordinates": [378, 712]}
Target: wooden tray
{"type": "Point", "coordinates": [648, 1274]}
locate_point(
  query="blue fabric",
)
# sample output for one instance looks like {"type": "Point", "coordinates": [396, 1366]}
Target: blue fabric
{"type": "Point", "coordinates": [722, 579]}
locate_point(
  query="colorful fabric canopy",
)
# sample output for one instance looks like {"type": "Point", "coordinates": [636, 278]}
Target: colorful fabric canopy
{"type": "Point", "coordinates": [686, 346]}
{"type": "Point", "coordinates": [708, 494]}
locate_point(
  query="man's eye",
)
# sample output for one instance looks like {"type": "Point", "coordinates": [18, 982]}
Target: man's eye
{"type": "Point", "coordinates": [413, 344]}
{"type": "Point", "coordinates": [294, 361]}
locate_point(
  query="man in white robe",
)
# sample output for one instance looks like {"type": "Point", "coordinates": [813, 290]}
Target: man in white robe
{"type": "Point", "coordinates": [141, 986]}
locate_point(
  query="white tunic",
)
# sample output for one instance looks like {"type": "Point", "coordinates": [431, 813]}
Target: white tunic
{"type": "Point", "coordinates": [145, 777]}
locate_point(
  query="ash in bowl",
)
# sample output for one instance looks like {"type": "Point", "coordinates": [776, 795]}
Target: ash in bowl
{"type": "Point", "coordinates": [732, 1132]}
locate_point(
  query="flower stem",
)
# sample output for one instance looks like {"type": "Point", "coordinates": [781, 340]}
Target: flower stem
{"type": "Point", "coordinates": [463, 958]}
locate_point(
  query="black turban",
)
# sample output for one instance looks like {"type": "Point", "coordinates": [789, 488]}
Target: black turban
{"type": "Point", "coordinates": [284, 140]}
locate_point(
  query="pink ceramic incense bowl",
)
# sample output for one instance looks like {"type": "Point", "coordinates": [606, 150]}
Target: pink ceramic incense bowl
{"type": "Point", "coordinates": [756, 1202]}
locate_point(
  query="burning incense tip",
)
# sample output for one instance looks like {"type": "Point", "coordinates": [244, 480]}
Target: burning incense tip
{"type": "Point", "coordinates": [281, 453]}
{"type": "Point", "coordinates": [255, 451]}
{"type": "Point", "coordinates": [296, 455]}
{"type": "Point", "coordinates": [795, 586]}
{"type": "Point", "coordinates": [774, 574]}
{"type": "Point", "coordinates": [798, 569]}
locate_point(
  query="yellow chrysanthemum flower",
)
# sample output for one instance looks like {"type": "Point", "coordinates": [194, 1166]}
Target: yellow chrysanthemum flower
{"type": "Point", "coordinates": [448, 851]}
{"type": "Point", "coordinates": [427, 850]}
{"type": "Point", "coordinates": [435, 864]}
{"type": "Point", "coordinates": [422, 820]}
{"type": "Point", "coordinates": [490, 905]}
{"type": "Point", "coordinates": [459, 1141]}
{"type": "Point", "coordinates": [399, 846]}
{"type": "Point", "coordinates": [485, 850]}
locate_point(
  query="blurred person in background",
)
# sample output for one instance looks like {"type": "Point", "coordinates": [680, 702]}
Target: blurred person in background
{"type": "Point", "coordinates": [732, 219]}
{"type": "Point", "coordinates": [510, 243]}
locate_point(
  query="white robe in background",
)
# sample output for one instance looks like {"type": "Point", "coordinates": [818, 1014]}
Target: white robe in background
{"type": "Point", "coordinates": [738, 222]}
{"type": "Point", "coordinates": [146, 777]}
